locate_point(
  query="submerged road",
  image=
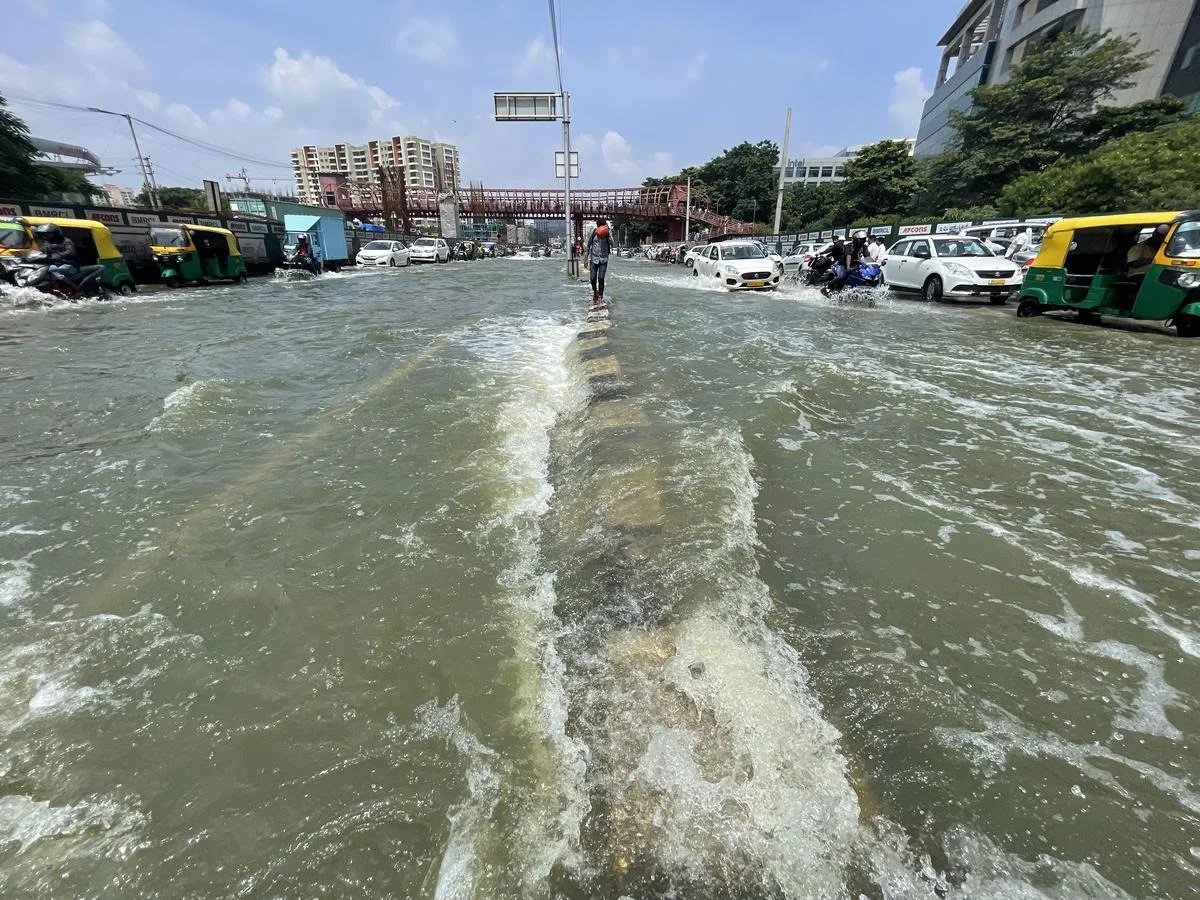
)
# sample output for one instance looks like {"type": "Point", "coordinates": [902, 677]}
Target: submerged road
{"type": "Point", "coordinates": [419, 584]}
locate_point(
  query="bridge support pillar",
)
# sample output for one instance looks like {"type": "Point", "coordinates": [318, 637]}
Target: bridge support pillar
{"type": "Point", "coordinates": [675, 231]}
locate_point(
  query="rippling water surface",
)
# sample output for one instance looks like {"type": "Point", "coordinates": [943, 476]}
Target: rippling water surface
{"type": "Point", "coordinates": [397, 585]}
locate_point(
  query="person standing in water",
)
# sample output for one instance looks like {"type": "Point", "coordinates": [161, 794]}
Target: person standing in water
{"type": "Point", "coordinates": [599, 245]}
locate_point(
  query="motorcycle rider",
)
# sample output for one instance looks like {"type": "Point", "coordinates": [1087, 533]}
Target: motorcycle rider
{"type": "Point", "coordinates": [832, 258]}
{"type": "Point", "coordinates": [307, 255]}
{"type": "Point", "coordinates": [58, 251]}
{"type": "Point", "coordinates": [854, 255]}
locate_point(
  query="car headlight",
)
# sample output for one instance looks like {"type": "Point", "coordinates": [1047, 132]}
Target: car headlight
{"type": "Point", "coordinates": [1189, 280]}
{"type": "Point", "coordinates": [958, 269]}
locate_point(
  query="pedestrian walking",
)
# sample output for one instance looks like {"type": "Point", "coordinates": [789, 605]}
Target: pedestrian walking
{"type": "Point", "coordinates": [599, 246]}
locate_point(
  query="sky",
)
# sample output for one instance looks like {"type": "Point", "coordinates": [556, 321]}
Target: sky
{"type": "Point", "coordinates": [654, 86]}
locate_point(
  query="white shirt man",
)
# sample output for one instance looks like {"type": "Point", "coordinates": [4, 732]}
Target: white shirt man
{"type": "Point", "coordinates": [1019, 243]}
{"type": "Point", "coordinates": [877, 251]}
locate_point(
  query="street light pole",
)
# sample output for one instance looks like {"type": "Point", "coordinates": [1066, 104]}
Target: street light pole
{"type": "Point", "coordinates": [572, 262]}
{"type": "Point", "coordinates": [687, 215]}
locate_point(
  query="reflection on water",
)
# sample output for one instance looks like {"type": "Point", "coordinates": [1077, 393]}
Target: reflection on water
{"type": "Point", "coordinates": [397, 584]}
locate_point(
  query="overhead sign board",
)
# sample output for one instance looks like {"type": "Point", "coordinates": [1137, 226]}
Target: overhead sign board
{"type": "Point", "coordinates": [526, 107]}
{"type": "Point", "coordinates": [558, 164]}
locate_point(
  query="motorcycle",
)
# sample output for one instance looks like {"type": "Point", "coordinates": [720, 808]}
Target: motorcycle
{"type": "Point", "coordinates": [298, 263]}
{"type": "Point", "coordinates": [34, 271]}
{"type": "Point", "coordinates": [859, 285]}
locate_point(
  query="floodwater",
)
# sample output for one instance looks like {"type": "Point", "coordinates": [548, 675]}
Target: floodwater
{"type": "Point", "coordinates": [390, 585]}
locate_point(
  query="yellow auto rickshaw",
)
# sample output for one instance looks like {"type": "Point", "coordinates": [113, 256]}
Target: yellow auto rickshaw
{"type": "Point", "coordinates": [196, 254]}
{"type": "Point", "coordinates": [92, 240]}
{"type": "Point", "coordinates": [1134, 266]}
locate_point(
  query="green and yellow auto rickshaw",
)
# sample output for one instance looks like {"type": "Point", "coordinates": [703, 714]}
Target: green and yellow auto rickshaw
{"type": "Point", "coordinates": [92, 240]}
{"type": "Point", "coordinates": [196, 253]}
{"type": "Point", "coordinates": [1134, 266]}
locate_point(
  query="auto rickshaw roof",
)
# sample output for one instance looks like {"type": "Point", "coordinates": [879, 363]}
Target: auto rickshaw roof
{"type": "Point", "coordinates": [62, 222]}
{"type": "Point", "coordinates": [209, 228]}
{"type": "Point", "coordinates": [1143, 219]}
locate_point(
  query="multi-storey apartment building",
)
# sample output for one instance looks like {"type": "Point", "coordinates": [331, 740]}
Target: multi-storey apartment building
{"type": "Point", "coordinates": [425, 163]}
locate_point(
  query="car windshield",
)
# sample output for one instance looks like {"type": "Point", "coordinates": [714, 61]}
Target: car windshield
{"type": "Point", "coordinates": [961, 247]}
{"type": "Point", "coordinates": [425, 242]}
{"type": "Point", "coordinates": [13, 237]}
{"type": "Point", "coordinates": [1186, 242]}
{"type": "Point", "coordinates": [742, 251]}
{"type": "Point", "coordinates": [378, 245]}
{"type": "Point", "coordinates": [168, 237]}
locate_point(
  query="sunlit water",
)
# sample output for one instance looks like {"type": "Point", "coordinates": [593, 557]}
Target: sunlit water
{"type": "Point", "coordinates": [388, 585]}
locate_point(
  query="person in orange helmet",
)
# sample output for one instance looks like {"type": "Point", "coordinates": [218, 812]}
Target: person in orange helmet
{"type": "Point", "coordinates": [599, 245]}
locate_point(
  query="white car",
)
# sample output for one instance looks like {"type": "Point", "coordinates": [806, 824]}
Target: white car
{"type": "Point", "coordinates": [774, 257]}
{"type": "Point", "coordinates": [427, 249]}
{"type": "Point", "coordinates": [383, 253]}
{"type": "Point", "coordinates": [800, 258]}
{"type": "Point", "coordinates": [689, 258]}
{"type": "Point", "coordinates": [737, 265]}
{"type": "Point", "coordinates": [952, 266]}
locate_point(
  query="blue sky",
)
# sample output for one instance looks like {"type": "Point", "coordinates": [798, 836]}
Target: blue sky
{"type": "Point", "coordinates": [654, 85]}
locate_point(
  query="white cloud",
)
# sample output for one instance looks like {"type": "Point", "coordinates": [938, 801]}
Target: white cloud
{"type": "Point", "coordinates": [234, 111]}
{"type": "Point", "coordinates": [185, 115]}
{"type": "Point", "coordinates": [430, 40]}
{"type": "Point", "coordinates": [909, 94]}
{"type": "Point", "coordinates": [101, 46]}
{"type": "Point", "coordinates": [619, 159]}
{"type": "Point", "coordinates": [307, 81]}
{"type": "Point", "coordinates": [536, 54]}
{"type": "Point", "coordinates": [272, 113]}
{"type": "Point", "coordinates": [148, 99]}
{"type": "Point", "coordinates": [696, 69]}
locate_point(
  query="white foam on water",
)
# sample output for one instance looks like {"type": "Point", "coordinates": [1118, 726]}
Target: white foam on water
{"type": "Point", "coordinates": [531, 384]}
{"type": "Point", "coordinates": [15, 581]}
{"type": "Point", "coordinates": [1149, 712]}
{"type": "Point", "coordinates": [180, 403]}
{"type": "Point", "coordinates": [99, 825]}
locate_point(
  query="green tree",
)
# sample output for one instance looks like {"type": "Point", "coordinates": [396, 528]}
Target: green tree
{"type": "Point", "coordinates": [810, 207]}
{"type": "Point", "coordinates": [175, 198]}
{"type": "Point", "coordinates": [880, 181]}
{"type": "Point", "coordinates": [1047, 109]}
{"type": "Point", "coordinates": [741, 182]}
{"type": "Point", "coordinates": [1147, 170]}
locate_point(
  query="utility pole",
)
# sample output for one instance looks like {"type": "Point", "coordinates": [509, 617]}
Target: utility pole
{"type": "Point", "coordinates": [157, 204]}
{"type": "Point", "coordinates": [147, 179]}
{"type": "Point", "coordinates": [787, 131]}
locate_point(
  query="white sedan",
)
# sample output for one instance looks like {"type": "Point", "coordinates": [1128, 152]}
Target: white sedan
{"type": "Point", "coordinates": [951, 267]}
{"type": "Point", "coordinates": [800, 258]}
{"type": "Point", "coordinates": [383, 253]}
{"type": "Point", "coordinates": [427, 249]}
{"type": "Point", "coordinates": [737, 265]}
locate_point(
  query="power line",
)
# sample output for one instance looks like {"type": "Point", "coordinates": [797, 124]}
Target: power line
{"type": "Point", "coordinates": [203, 145]}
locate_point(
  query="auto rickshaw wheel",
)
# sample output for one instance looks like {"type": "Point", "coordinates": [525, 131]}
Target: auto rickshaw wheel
{"type": "Point", "coordinates": [174, 282]}
{"type": "Point", "coordinates": [1028, 308]}
{"type": "Point", "coordinates": [242, 278]}
{"type": "Point", "coordinates": [1187, 326]}
{"type": "Point", "coordinates": [125, 289]}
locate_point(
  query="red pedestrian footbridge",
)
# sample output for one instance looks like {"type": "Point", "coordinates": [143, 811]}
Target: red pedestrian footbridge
{"type": "Point", "coordinates": [665, 205]}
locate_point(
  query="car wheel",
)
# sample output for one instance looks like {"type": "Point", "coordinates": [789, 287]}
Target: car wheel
{"type": "Point", "coordinates": [1028, 308]}
{"type": "Point", "coordinates": [933, 289]}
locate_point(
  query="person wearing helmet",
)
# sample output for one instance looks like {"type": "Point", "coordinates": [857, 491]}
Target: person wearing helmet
{"type": "Point", "coordinates": [853, 255]}
{"type": "Point", "coordinates": [58, 250]}
{"type": "Point", "coordinates": [599, 245]}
